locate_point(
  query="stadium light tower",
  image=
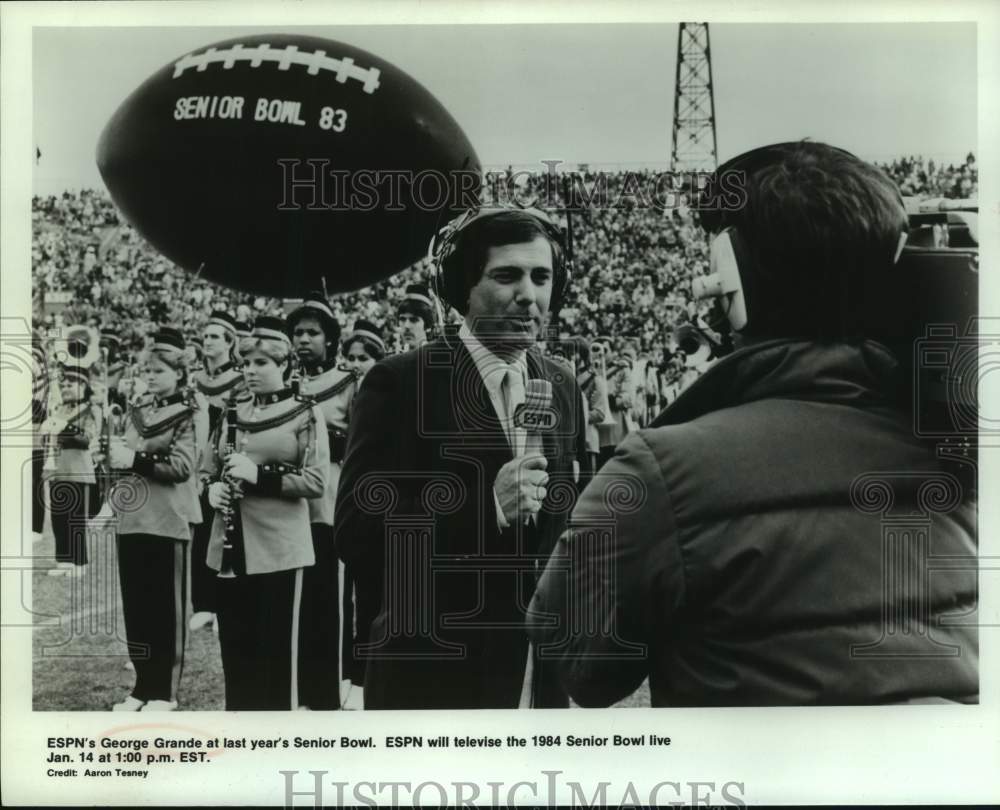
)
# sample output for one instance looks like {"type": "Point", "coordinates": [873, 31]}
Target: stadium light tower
{"type": "Point", "coordinates": [693, 146]}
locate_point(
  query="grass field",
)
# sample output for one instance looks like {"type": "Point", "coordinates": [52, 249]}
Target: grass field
{"type": "Point", "coordinates": [79, 664]}
{"type": "Point", "coordinates": [79, 652]}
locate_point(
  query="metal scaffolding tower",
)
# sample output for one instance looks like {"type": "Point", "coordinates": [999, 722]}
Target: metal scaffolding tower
{"type": "Point", "coordinates": [693, 146]}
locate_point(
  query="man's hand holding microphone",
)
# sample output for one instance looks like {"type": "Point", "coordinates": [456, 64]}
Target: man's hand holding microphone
{"type": "Point", "coordinates": [520, 487]}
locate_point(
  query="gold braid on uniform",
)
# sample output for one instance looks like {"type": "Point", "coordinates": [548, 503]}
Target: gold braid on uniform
{"type": "Point", "coordinates": [144, 459]}
{"type": "Point", "coordinates": [217, 390]}
{"type": "Point", "coordinates": [336, 388]}
{"type": "Point", "coordinates": [147, 431]}
{"type": "Point", "coordinates": [265, 424]}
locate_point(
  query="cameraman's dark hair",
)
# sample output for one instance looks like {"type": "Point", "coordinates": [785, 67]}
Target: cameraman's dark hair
{"type": "Point", "coordinates": [463, 269]}
{"type": "Point", "coordinates": [820, 228]}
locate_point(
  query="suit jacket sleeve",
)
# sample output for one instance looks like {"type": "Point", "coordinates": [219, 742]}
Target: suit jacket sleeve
{"type": "Point", "coordinates": [616, 575]}
{"type": "Point", "coordinates": [373, 447]}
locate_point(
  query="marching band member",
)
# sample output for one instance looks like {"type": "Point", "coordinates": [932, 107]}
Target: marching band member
{"type": "Point", "coordinates": [106, 381]}
{"type": "Point", "coordinates": [116, 366]}
{"type": "Point", "coordinates": [416, 316]}
{"type": "Point", "coordinates": [594, 388]}
{"type": "Point", "coordinates": [362, 348]}
{"type": "Point", "coordinates": [72, 434]}
{"type": "Point", "coordinates": [244, 329]}
{"type": "Point", "coordinates": [39, 408]}
{"type": "Point", "coordinates": [609, 431]}
{"type": "Point", "coordinates": [278, 460]}
{"type": "Point", "coordinates": [158, 450]}
{"type": "Point", "coordinates": [218, 380]}
{"type": "Point", "coordinates": [315, 334]}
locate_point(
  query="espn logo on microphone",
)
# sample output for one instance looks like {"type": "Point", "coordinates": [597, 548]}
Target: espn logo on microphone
{"type": "Point", "coordinates": [536, 413]}
{"type": "Point", "coordinates": [536, 418]}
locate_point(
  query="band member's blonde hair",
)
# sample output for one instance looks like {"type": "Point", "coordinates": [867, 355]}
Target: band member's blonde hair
{"type": "Point", "coordinates": [170, 348]}
{"type": "Point", "coordinates": [277, 350]}
{"type": "Point", "coordinates": [177, 359]}
{"type": "Point", "coordinates": [270, 338]}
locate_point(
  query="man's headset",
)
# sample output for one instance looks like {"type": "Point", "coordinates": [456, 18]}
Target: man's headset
{"type": "Point", "coordinates": [733, 272]}
{"type": "Point", "coordinates": [449, 281]}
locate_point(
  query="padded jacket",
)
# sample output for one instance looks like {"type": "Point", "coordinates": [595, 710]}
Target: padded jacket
{"type": "Point", "coordinates": [778, 536]}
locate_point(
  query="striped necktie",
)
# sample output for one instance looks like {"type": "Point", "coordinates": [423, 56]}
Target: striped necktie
{"type": "Point", "coordinates": [513, 397]}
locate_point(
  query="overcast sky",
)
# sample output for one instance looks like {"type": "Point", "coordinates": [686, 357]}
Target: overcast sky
{"type": "Point", "coordinates": [600, 94]}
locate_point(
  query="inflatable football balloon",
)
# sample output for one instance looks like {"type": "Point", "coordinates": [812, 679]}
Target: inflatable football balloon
{"type": "Point", "coordinates": [271, 163]}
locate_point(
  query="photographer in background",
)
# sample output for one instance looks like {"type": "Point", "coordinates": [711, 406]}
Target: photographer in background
{"type": "Point", "coordinates": [753, 566]}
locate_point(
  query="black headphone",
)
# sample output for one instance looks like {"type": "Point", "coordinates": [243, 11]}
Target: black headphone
{"type": "Point", "coordinates": [449, 283]}
{"type": "Point", "coordinates": [734, 274]}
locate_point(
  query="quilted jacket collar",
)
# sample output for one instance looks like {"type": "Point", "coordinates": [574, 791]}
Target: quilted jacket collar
{"type": "Point", "coordinates": [862, 374]}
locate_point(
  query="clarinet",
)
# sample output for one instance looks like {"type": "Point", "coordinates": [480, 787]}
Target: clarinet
{"type": "Point", "coordinates": [231, 513]}
{"type": "Point", "coordinates": [107, 431]}
{"type": "Point", "coordinates": [295, 378]}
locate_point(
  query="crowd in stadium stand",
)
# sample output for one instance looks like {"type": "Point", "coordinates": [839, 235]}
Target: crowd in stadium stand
{"type": "Point", "coordinates": [633, 266]}
{"type": "Point", "coordinates": [919, 177]}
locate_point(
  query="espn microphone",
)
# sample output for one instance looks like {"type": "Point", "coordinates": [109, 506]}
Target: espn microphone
{"type": "Point", "coordinates": [536, 414]}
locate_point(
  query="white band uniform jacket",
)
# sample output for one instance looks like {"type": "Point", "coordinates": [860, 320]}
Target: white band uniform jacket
{"type": "Point", "coordinates": [217, 386]}
{"type": "Point", "coordinates": [278, 432]}
{"type": "Point", "coordinates": [332, 390]}
{"type": "Point", "coordinates": [71, 434]}
{"type": "Point", "coordinates": [162, 500]}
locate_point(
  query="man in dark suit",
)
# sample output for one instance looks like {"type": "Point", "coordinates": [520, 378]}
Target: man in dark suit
{"type": "Point", "coordinates": [448, 505]}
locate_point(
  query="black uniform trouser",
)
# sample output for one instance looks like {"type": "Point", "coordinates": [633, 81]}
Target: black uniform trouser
{"type": "Point", "coordinates": [319, 636]}
{"type": "Point", "coordinates": [153, 578]}
{"type": "Point", "coordinates": [361, 607]}
{"type": "Point", "coordinates": [358, 618]}
{"type": "Point", "coordinates": [203, 578]}
{"type": "Point", "coordinates": [258, 617]}
{"type": "Point", "coordinates": [69, 502]}
{"type": "Point", "coordinates": [353, 670]}
{"type": "Point", "coordinates": [37, 491]}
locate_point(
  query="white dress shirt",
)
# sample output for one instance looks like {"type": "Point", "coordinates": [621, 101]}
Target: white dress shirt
{"type": "Point", "coordinates": [493, 371]}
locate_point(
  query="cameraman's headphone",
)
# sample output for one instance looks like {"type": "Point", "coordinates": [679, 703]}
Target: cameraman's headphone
{"type": "Point", "coordinates": [733, 272]}
{"type": "Point", "coordinates": [449, 281]}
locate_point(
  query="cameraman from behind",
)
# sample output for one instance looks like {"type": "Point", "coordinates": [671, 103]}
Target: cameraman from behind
{"type": "Point", "coordinates": [748, 569]}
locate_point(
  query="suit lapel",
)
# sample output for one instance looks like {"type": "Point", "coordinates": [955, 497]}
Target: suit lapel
{"type": "Point", "coordinates": [470, 401]}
